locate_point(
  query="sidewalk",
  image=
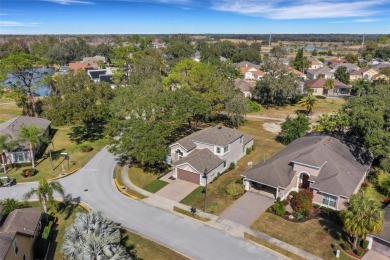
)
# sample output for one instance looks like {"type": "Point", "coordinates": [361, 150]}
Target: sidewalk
{"type": "Point", "coordinates": [228, 226]}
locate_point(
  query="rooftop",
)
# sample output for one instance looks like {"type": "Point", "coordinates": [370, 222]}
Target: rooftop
{"type": "Point", "coordinates": [23, 221]}
{"type": "Point", "coordinates": [201, 160]}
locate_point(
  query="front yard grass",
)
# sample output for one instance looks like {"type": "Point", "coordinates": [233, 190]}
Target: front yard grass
{"type": "Point", "coordinates": [8, 109]}
{"type": "Point", "coordinates": [145, 180]}
{"type": "Point", "coordinates": [118, 172]}
{"type": "Point", "coordinates": [62, 142]}
{"type": "Point", "coordinates": [217, 199]}
{"type": "Point", "coordinates": [315, 236]}
{"type": "Point", "coordinates": [188, 213]}
{"type": "Point", "coordinates": [329, 105]}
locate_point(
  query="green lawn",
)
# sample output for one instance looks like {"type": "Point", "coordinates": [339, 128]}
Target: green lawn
{"type": "Point", "coordinates": [217, 199]}
{"type": "Point", "coordinates": [62, 142]}
{"type": "Point", "coordinates": [322, 106]}
{"type": "Point", "coordinates": [145, 180]}
{"type": "Point", "coordinates": [8, 109]}
{"type": "Point", "coordinates": [188, 213]}
{"type": "Point", "coordinates": [315, 236]}
{"type": "Point", "coordinates": [127, 189]}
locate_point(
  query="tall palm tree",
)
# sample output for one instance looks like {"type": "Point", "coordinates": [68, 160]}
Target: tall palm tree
{"type": "Point", "coordinates": [4, 144]}
{"type": "Point", "coordinates": [92, 236]}
{"type": "Point", "coordinates": [45, 191]}
{"type": "Point", "coordinates": [308, 102]}
{"type": "Point", "coordinates": [33, 135]}
{"type": "Point", "coordinates": [363, 216]}
{"type": "Point", "coordinates": [361, 84]}
{"type": "Point", "coordinates": [329, 84]}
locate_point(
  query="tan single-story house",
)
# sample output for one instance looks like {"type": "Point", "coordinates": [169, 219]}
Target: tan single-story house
{"type": "Point", "coordinates": [318, 87]}
{"type": "Point", "coordinates": [21, 153]}
{"type": "Point", "coordinates": [208, 152]}
{"type": "Point", "coordinates": [330, 167]}
{"type": "Point", "coordinates": [245, 87]}
{"type": "Point", "coordinates": [363, 73]}
{"type": "Point", "coordinates": [18, 233]}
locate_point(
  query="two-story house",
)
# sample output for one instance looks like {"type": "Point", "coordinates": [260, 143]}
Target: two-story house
{"type": "Point", "coordinates": [208, 152]}
{"type": "Point", "coordinates": [324, 72]}
{"type": "Point", "coordinates": [332, 168]}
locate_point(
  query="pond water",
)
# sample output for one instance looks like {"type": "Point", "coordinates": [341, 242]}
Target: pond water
{"type": "Point", "coordinates": [312, 48]}
{"type": "Point", "coordinates": [39, 88]}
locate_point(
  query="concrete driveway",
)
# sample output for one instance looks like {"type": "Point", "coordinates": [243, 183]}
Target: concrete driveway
{"type": "Point", "coordinates": [247, 208]}
{"type": "Point", "coordinates": [177, 190]}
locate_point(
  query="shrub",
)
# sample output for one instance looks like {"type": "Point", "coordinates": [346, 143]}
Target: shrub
{"type": "Point", "coordinates": [253, 106]}
{"type": "Point", "coordinates": [232, 166]}
{"type": "Point", "coordinates": [298, 217]}
{"type": "Point", "coordinates": [364, 244]}
{"type": "Point", "coordinates": [346, 246]}
{"type": "Point", "coordinates": [29, 172]}
{"type": "Point", "coordinates": [364, 186]}
{"type": "Point", "coordinates": [359, 251]}
{"type": "Point", "coordinates": [302, 202]}
{"type": "Point", "coordinates": [86, 148]}
{"type": "Point", "coordinates": [248, 150]}
{"type": "Point", "coordinates": [46, 230]}
{"type": "Point", "coordinates": [235, 190]}
{"type": "Point", "coordinates": [279, 208]}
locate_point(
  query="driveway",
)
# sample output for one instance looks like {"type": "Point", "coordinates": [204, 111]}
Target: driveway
{"type": "Point", "coordinates": [177, 190]}
{"type": "Point", "coordinates": [94, 186]}
{"type": "Point", "coordinates": [247, 208]}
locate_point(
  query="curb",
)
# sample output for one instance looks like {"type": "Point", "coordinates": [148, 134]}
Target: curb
{"type": "Point", "coordinates": [64, 175]}
{"type": "Point", "coordinates": [124, 192]}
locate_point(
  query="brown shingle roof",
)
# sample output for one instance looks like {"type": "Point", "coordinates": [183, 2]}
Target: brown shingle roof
{"type": "Point", "coordinates": [360, 71]}
{"type": "Point", "coordinates": [343, 164]}
{"type": "Point", "coordinates": [243, 85]}
{"type": "Point", "coordinates": [201, 160]}
{"type": "Point", "coordinates": [23, 221]}
{"type": "Point", "coordinates": [6, 239]}
{"type": "Point", "coordinates": [320, 82]}
{"type": "Point", "coordinates": [81, 66]}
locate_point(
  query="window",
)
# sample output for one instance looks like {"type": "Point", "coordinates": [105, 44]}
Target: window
{"type": "Point", "coordinates": [218, 150]}
{"type": "Point", "coordinates": [241, 139]}
{"type": "Point", "coordinates": [19, 157]}
{"type": "Point", "coordinates": [16, 247]}
{"type": "Point", "coordinates": [224, 164]}
{"type": "Point", "coordinates": [329, 201]}
{"type": "Point", "coordinates": [226, 149]}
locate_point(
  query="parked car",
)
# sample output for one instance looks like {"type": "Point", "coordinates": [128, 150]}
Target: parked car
{"type": "Point", "coordinates": [7, 182]}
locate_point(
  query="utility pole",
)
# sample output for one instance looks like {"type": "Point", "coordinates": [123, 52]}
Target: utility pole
{"type": "Point", "coordinates": [269, 42]}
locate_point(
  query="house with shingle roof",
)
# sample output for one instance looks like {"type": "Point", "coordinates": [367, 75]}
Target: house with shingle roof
{"type": "Point", "coordinates": [315, 64]}
{"type": "Point", "coordinates": [327, 73]}
{"type": "Point", "coordinates": [332, 168]}
{"type": "Point", "coordinates": [21, 153]}
{"type": "Point", "coordinates": [318, 87]}
{"type": "Point", "coordinates": [336, 61]}
{"type": "Point", "coordinates": [18, 233]}
{"type": "Point", "coordinates": [209, 152]}
{"type": "Point", "coordinates": [363, 73]}
{"type": "Point", "coordinates": [244, 86]}
{"type": "Point", "coordinates": [349, 66]}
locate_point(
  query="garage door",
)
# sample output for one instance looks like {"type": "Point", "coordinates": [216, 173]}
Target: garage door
{"type": "Point", "coordinates": [188, 176]}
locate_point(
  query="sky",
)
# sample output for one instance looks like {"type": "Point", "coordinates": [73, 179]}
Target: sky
{"type": "Point", "coordinates": [194, 16]}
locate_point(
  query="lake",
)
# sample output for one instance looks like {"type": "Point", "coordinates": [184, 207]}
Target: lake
{"type": "Point", "coordinates": [39, 89]}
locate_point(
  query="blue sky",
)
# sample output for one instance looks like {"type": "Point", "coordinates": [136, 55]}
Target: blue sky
{"type": "Point", "coordinates": [190, 16]}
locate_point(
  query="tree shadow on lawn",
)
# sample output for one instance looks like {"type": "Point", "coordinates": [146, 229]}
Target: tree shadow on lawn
{"type": "Point", "coordinates": [335, 231]}
{"type": "Point", "coordinates": [79, 134]}
{"type": "Point", "coordinates": [128, 245]}
{"type": "Point", "coordinates": [68, 206]}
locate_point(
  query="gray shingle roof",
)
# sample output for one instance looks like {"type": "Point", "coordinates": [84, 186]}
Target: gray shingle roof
{"type": "Point", "coordinates": [201, 160]}
{"type": "Point", "coordinates": [385, 234]}
{"type": "Point", "coordinates": [23, 221]}
{"type": "Point", "coordinates": [322, 70]}
{"type": "Point", "coordinates": [243, 85]}
{"type": "Point", "coordinates": [6, 239]}
{"type": "Point", "coordinates": [215, 135]}
{"type": "Point", "coordinates": [343, 164]}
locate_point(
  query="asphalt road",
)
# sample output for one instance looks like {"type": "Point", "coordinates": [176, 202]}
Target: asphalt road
{"type": "Point", "coordinates": [94, 186]}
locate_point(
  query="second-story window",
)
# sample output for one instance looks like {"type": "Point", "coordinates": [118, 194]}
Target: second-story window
{"type": "Point", "coordinates": [218, 150]}
{"type": "Point", "coordinates": [241, 139]}
{"type": "Point", "coordinates": [226, 149]}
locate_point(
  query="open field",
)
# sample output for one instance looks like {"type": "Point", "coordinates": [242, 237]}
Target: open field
{"type": "Point", "coordinates": [217, 199]}
{"type": "Point", "coordinates": [8, 109]}
{"type": "Point", "coordinates": [315, 236]}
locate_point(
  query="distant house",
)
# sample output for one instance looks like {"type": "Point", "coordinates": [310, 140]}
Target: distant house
{"type": "Point", "coordinates": [251, 73]}
{"type": "Point", "coordinates": [297, 73]}
{"type": "Point", "coordinates": [76, 66]}
{"type": "Point", "coordinates": [209, 151]}
{"type": "Point", "coordinates": [244, 86]}
{"type": "Point", "coordinates": [349, 66]}
{"type": "Point", "coordinates": [327, 72]}
{"type": "Point", "coordinates": [332, 168]}
{"type": "Point", "coordinates": [363, 73]}
{"type": "Point", "coordinates": [336, 61]}
{"type": "Point", "coordinates": [318, 87]}
{"type": "Point", "coordinates": [21, 153]}
{"type": "Point", "coordinates": [315, 64]}
{"type": "Point", "coordinates": [94, 60]}
{"type": "Point", "coordinates": [158, 44]}
{"type": "Point", "coordinates": [381, 65]}
{"type": "Point", "coordinates": [245, 64]}
{"type": "Point", "coordinates": [18, 233]}
{"type": "Point", "coordinates": [104, 75]}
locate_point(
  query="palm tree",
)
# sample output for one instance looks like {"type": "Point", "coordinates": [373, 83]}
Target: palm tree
{"type": "Point", "coordinates": [10, 205]}
{"type": "Point", "coordinates": [3, 146]}
{"type": "Point", "coordinates": [329, 84]}
{"type": "Point", "coordinates": [33, 136]}
{"type": "Point", "coordinates": [308, 102]}
{"type": "Point", "coordinates": [45, 191]}
{"type": "Point", "coordinates": [363, 216]}
{"type": "Point", "coordinates": [361, 84]}
{"type": "Point", "coordinates": [92, 236]}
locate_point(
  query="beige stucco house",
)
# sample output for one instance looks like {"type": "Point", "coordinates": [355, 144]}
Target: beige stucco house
{"type": "Point", "coordinates": [209, 151]}
{"type": "Point", "coordinates": [18, 233]}
{"type": "Point", "coordinates": [331, 168]}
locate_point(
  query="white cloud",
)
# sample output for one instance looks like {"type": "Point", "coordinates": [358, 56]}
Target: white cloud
{"type": "Point", "coordinates": [300, 9]}
{"type": "Point", "coordinates": [17, 24]}
{"type": "Point", "coordinates": [70, 2]}
{"type": "Point", "coordinates": [158, 1]}
{"type": "Point", "coordinates": [366, 20]}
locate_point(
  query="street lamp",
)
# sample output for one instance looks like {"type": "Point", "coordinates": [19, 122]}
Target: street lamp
{"type": "Point", "coordinates": [205, 189]}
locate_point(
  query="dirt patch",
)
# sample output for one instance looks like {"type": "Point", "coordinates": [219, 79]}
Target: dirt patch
{"type": "Point", "coordinates": [272, 127]}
